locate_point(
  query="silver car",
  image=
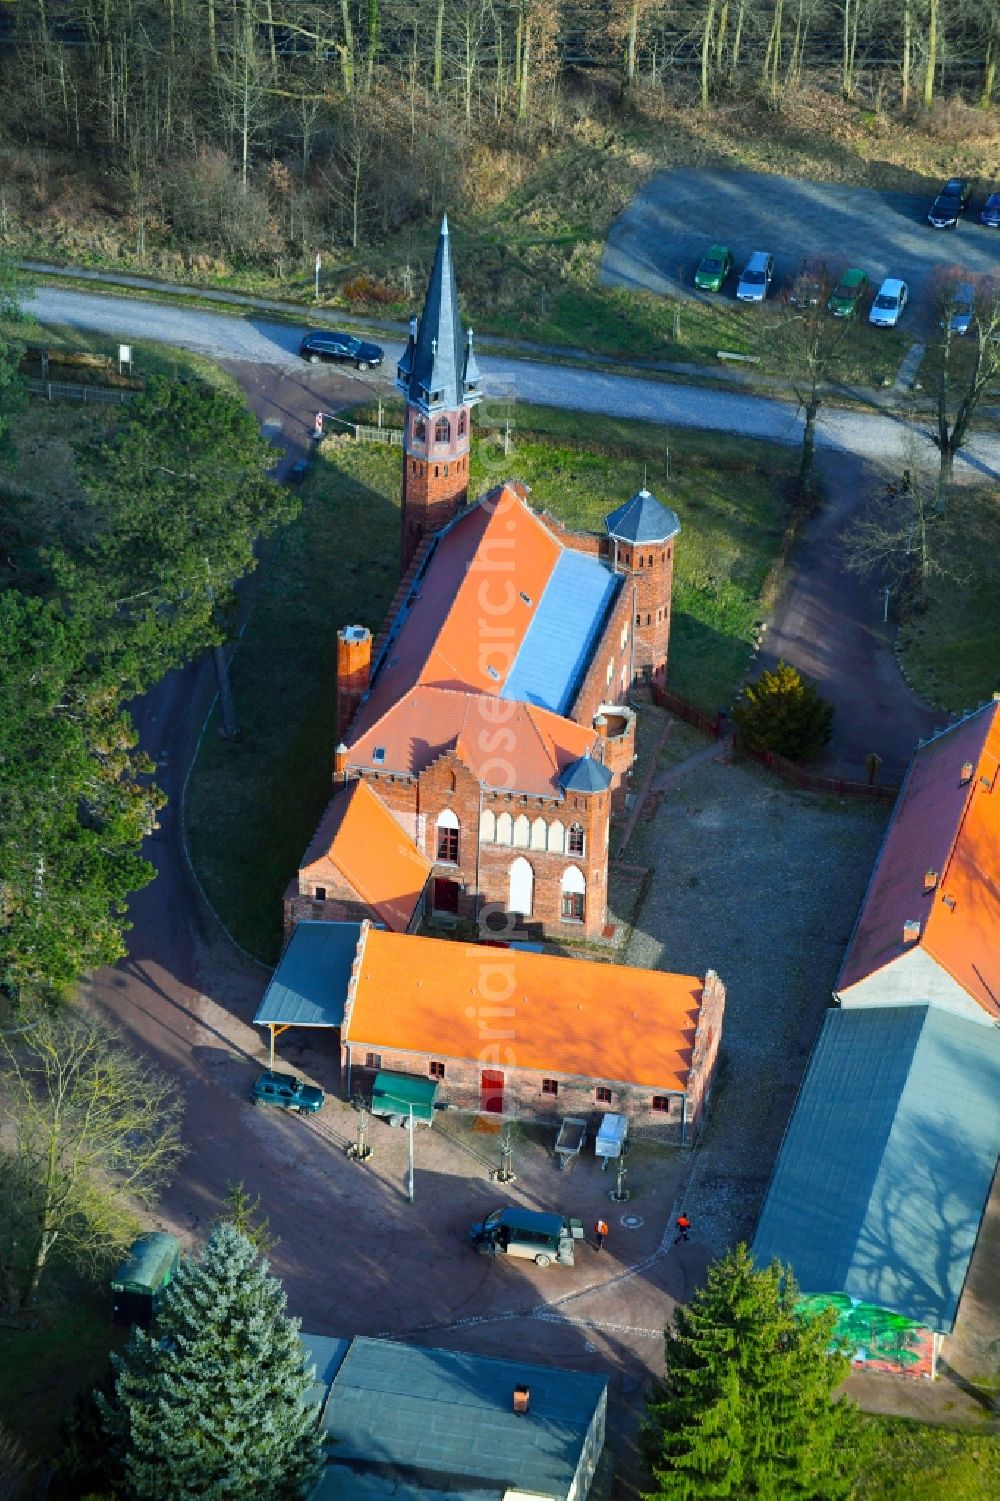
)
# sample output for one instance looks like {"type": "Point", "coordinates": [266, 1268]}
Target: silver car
{"type": "Point", "coordinates": [755, 277]}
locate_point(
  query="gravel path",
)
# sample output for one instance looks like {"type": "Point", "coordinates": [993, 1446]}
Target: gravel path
{"type": "Point", "coordinates": [763, 884]}
{"type": "Point", "coordinates": [866, 434]}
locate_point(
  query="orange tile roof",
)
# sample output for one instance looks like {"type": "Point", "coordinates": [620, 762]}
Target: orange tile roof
{"type": "Point", "coordinates": [514, 746]}
{"type": "Point", "coordinates": [474, 604]}
{"type": "Point", "coordinates": [951, 826]}
{"type": "Point", "coordinates": [359, 840]}
{"type": "Point", "coordinates": [569, 1017]}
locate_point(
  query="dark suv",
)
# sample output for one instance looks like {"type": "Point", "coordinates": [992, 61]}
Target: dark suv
{"type": "Point", "coordinates": [287, 1092]}
{"type": "Point", "coordinates": [950, 203]}
{"type": "Point", "coordinates": [327, 344]}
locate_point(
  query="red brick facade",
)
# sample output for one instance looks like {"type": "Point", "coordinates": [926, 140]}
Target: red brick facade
{"type": "Point", "coordinates": [435, 473]}
{"type": "Point", "coordinates": [666, 1115]}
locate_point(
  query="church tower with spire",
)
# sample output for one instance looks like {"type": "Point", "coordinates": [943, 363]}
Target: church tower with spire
{"type": "Point", "coordinates": [440, 382]}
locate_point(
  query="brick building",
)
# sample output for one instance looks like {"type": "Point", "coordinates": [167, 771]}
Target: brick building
{"type": "Point", "coordinates": [491, 716]}
{"type": "Point", "coordinates": [534, 1036]}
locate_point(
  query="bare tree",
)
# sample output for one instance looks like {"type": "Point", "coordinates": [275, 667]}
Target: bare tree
{"type": "Point", "coordinates": [808, 342]}
{"type": "Point", "coordinates": [93, 1134]}
{"type": "Point", "coordinates": [898, 538]}
{"type": "Point", "coordinates": [968, 368]}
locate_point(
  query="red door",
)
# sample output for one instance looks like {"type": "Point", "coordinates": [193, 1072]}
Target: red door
{"type": "Point", "coordinates": [491, 1091]}
{"type": "Point", "coordinates": [446, 896]}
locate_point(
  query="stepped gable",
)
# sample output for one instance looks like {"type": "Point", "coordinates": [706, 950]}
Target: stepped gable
{"type": "Point", "coordinates": [939, 866]}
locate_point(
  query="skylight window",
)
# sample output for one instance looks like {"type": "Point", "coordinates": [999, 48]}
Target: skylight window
{"type": "Point", "coordinates": [378, 755]}
{"type": "Point", "coordinates": [493, 673]}
{"type": "Point", "coordinates": [526, 597]}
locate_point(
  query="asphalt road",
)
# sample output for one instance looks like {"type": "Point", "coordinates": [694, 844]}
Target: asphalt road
{"type": "Point", "coordinates": [660, 238]}
{"type": "Point", "coordinates": [876, 436]}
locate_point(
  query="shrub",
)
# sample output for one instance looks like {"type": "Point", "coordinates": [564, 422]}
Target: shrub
{"type": "Point", "coordinates": [782, 712]}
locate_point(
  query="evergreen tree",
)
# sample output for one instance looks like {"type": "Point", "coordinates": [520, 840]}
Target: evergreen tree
{"type": "Point", "coordinates": [210, 1405]}
{"type": "Point", "coordinates": [746, 1408]}
{"type": "Point", "coordinates": [781, 711]}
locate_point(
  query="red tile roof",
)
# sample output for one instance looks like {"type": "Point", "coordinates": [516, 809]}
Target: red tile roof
{"type": "Point", "coordinates": [453, 651]}
{"type": "Point", "coordinates": [359, 840]}
{"type": "Point", "coordinates": [511, 746]}
{"type": "Point", "coordinates": [565, 1016]}
{"type": "Point", "coordinates": [949, 825]}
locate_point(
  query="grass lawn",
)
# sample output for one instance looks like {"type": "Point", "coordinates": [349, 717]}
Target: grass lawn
{"type": "Point", "coordinates": [254, 805]}
{"type": "Point", "coordinates": [923, 1462]}
{"type": "Point", "coordinates": [43, 1369]}
{"type": "Point", "coordinates": [148, 358]}
{"type": "Point", "coordinates": [949, 651]}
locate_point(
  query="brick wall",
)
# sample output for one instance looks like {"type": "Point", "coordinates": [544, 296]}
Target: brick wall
{"type": "Point", "coordinates": [524, 1097]}
{"type": "Point", "coordinates": [705, 1053]}
{"type": "Point", "coordinates": [653, 583]}
{"type": "Point", "coordinates": [435, 477]}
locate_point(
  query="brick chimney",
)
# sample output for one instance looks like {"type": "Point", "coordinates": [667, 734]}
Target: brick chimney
{"type": "Point", "coordinates": [522, 1399]}
{"type": "Point", "coordinates": [354, 665]}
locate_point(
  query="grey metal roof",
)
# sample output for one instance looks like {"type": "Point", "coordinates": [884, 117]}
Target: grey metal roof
{"type": "Point", "coordinates": [326, 1353]}
{"type": "Point", "coordinates": [310, 983]}
{"type": "Point", "coordinates": [438, 1417]}
{"type": "Point", "coordinates": [341, 1483]}
{"type": "Point", "coordinates": [642, 519]}
{"type": "Point", "coordinates": [886, 1166]}
{"type": "Point", "coordinates": [585, 775]}
{"type": "Point", "coordinates": [148, 1262]}
{"type": "Point", "coordinates": [438, 369]}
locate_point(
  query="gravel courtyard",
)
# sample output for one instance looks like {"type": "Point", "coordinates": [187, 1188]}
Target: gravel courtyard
{"type": "Point", "coordinates": [762, 883]}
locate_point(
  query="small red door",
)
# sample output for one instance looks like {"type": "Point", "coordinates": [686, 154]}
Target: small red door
{"type": "Point", "coordinates": [446, 896]}
{"type": "Point", "coordinates": [491, 1091]}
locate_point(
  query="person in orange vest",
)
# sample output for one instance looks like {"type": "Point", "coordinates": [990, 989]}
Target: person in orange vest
{"type": "Point", "coordinates": [600, 1231]}
{"type": "Point", "coordinates": [683, 1226]}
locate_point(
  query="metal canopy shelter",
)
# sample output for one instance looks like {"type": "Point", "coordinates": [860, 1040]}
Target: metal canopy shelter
{"type": "Point", "coordinates": [309, 986]}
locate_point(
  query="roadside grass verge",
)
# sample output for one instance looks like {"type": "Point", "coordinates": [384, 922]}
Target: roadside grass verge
{"type": "Point", "coordinates": [253, 805]}
{"type": "Point", "coordinates": [909, 1461]}
{"type": "Point", "coordinates": [949, 650]}
{"type": "Point", "coordinates": [148, 357]}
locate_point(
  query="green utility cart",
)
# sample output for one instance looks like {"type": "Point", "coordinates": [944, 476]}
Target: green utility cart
{"type": "Point", "coordinates": [142, 1276]}
{"type": "Point", "coordinates": [395, 1095]}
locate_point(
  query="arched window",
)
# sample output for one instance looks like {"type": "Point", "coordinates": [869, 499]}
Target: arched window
{"type": "Point", "coordinates": [539, 834]}
{"type": "Point", "coordinates": [463, 423]}
{"type": "Point", "coordinates": [419, 429]}
{"type": "Point", "coordinates": [522, 887]}
{"type": "Point", "coordinates": [557, 837]}
{"type": "Point", "coordinates": [447, 837]}
{"type": "Point", "coordinates": [574, 845]}
{"type": "Point", "coordinates": [522, 832]}
{"type": "Point", "coordinates": [505, 829]}
{"type": "Point", "coordinates": [487, 827]}
{"type": "Point", "coordinates": [442, 430]}
{"type": "Point", "coordinates": [574, 894]}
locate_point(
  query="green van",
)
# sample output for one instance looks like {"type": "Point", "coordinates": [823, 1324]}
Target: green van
{"type": "Point", "coordinates": [541, 1238]}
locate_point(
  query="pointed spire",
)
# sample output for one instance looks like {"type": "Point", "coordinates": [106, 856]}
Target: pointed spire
{"type": "Point", "coordinates": [470, 373]}
{"type": "Point", "coordinates": [433, 372]}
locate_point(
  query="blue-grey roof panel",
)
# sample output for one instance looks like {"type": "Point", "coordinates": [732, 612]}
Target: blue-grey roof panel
{"type": "Point", "coordinates": [642, 519]}
{"type": "Point", "coordinates": [585, 775]}
{"type": "Point", "coordinates": [326, 1354]}
{"type": "Point", "coordinates": [310, 983]}
{"type": "Point", "coordinates": [561, 638]}
{"type": "Point", "coordinates": [888, 1159]}
{"type": "Point", "coordinates": [443, 1413]}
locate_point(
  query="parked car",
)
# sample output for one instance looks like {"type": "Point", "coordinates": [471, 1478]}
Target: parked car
{"type": "Point", "coordinates": [849, 293]}
{"type": "Point", "coordinates": [325, 345]}
{"type": "Point", "coordinates": [963, 308]}
{"type": "Point", "coordinates": [888, 306]}
{"type": "Point", "coordinates": [755, 277]}
{"type": "Point", "coordinates": [950, 204]}
{"type": "Point", "coordinates": [528, 1234]}
{"type": "Point", "coordinates": [713, 269]}
{"type": "Point", "coordinates": [287, 1092]}
{"type": "Point", "coordinates": [991, 211]}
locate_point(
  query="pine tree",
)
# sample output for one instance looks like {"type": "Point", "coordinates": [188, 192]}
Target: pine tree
{"type": "Point", "coordinates": [746, 1408]}
{"type": "Point", "coordinates": [210, 1405]}
{"type": "Point", "coordinates": [781, 711]}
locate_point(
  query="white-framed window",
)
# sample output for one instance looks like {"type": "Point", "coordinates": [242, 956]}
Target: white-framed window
{"type": "Point", "coordinates": [575, 844]}
{"type": "Point", "coordinates": [573, 905]}
{"type": "Point", "coordinates": [447, 837]}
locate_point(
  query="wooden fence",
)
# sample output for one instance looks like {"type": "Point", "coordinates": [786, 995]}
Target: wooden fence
{"type": "Point", "coordinates": [810, 781]}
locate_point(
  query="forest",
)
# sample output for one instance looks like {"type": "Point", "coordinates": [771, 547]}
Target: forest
{"type": "Point", "coordinates": [256, 131]}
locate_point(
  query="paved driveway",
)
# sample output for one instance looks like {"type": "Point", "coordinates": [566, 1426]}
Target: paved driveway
{"type": "Point", "coordinates": [659, 239]}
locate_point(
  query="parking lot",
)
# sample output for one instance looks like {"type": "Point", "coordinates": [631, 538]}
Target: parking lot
{"type": "Point", "coordinates": [660, 238]}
